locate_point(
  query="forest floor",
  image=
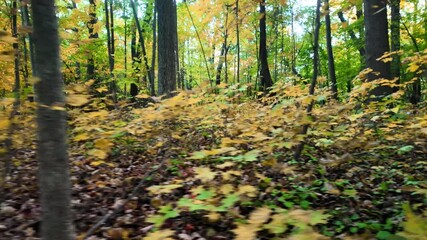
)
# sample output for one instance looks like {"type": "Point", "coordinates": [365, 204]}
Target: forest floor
{"type": "Point", "coordinates": [202, 166]}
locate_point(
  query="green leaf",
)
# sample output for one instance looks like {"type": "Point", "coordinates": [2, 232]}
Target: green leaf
{"type": "Point", "coordinates": [186, 202]}
{"type": "Point", "coordinates": [229, 201]}
{"type": "Point", "coordinates": [251, 155]}
{"type": "Point", "coordinates": [383, 235]}
{"type": "Point", "coordinates": [205, 194]}
{"type": "Point", "coordinates": [405, 149]}
{"type": "Point", "coordinates": [198, 155]}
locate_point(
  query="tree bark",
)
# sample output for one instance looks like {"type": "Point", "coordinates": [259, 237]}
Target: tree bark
{"type": "Point", "coordinates": [220, 64]}
{"type": "Point", "coordinates": [54, 180]}
{"type": "Point", "coordinates": [265, 75]}
{"type": "Point", "coordinates": [154, 52]}
{"type": "Point", "coordinates": [141, 41]}
{"type": "Point", "coordinates": [90, 71]}
{"type": "Point", "coordinates": [331, 60]}
{"type": "Point", "coordinates": [167, 48]}
{"type": "Point", "coordinates": [237, 41]}
{"type": "Point", "coordinates": [395, 37]}
{"type": "Point", "coordinates": [377, 44]}
{"type": "Point", "coordinates": [300, 147]}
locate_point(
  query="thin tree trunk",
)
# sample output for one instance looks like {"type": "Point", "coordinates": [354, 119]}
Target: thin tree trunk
{"type": "Point", "coordinates": [154, 51]}
{"type": "Point", "coordinates": [175, 37]}
{"type": "Point", "coordinates": [265, 76]}
{"type": "Point", "coordinates": [395, 37]}
{"type": "Point", "coordinates": [90, 71]}
{"type": "Point", "coordinates": [238, 41]}
{"type": "Point", "coordinates": [300, 147]}
{"type": "Point", "coordinates": [141, 41]}
{"type": "Point", "coordinates": [331, 61]}
{"type": "Point", "coordinates": [54, 180]}
{"type": "Point", "coordinates": [220, 64]}
{"type": "Point", "coordinates": [200, 41]}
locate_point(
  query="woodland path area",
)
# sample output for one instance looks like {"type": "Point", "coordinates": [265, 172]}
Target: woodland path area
{"type": "Point", "coordinates": [213, 119]}
{"type": "Point", "coordinates": [173, 170]}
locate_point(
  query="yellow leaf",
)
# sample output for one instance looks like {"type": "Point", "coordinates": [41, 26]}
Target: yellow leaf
{"type": "Point", "coordinates": [225, 165]}
{"type": "Point", "coordinates": [308, 234]}
{"type": "Point", "coordinates": [228, 175]}
{"type": "Point", "coordinates": [4, 123]}
{"type": "Point", "coordinates": [213, 216]}
{"type": "Point", "coordinates": [413, 67]}
{"type": "Point", "coordinates": [77, 100]}
{"type": "Point", "coordinates": [248, 190]}
{"type": "Point", "coordinates": [103, 144]}
{"type": "Point", "coordinates": [278, 224]}
{"type": "Point", "coordinates": [259, 216]}
{"type": "Point", "coordinates": [81, 137]}
{"type": "Point", "coordinates": [204, 173]}
{"type": "Point", "coordinates": [245, 232]}
{"type": "Point", "coordinates": [96, 163]}
{"type": "Point", "coordinates": [176, 136]}
{"type": "Point", "coordinates": [98, 153]}
{"type": "Point", "coordinates": [226, 189]}
{"type": "Point", "coordinates": [143, 96]}
{"type": "Point", "coordinates": [102, 89]}
{"type": "Point", "coordinates": [159, 235]}
{"type": "Point", "coordinates": [159, 189]}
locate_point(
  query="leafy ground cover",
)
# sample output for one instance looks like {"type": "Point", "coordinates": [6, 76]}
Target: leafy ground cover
{"type": "Point", "coordinates": [207, 166]}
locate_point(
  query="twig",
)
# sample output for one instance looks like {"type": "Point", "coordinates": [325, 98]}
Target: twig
{"type": "Point", "coordinates": [120, 206]}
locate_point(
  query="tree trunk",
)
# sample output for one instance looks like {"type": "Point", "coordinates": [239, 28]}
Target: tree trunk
{"type": "Point", "coordinates": [141, 41]}
{"type": "Point", "coordinates": [175, 37]}
{"type": "Point", "coordinates": [331, 60]}
{"type": "Point", "coordinates": [238, 41]}
{"type": "Point", "coordinates": [300, 147]}
{"type": "Point", "coordinates": [220, 64]}
{"type": "Point", "coordinates": [15, 46]}
{"type": "Point", "coordinates": [395, 37]}
{"type": "Point", "coordinates": [90, 71]}
{"type": "Point", "coordinates": [54, 180]}
{"type": "Point", "coordinates": [265, 76]}
{"type": "Point", "coordinates": [376, 44]}
{"type": "Point", "coordinates": [154, 52]}
{"type": "Point", "coordinates": [166, 45]}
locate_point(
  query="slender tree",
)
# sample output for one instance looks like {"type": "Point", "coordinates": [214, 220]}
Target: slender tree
{"type": "Point", "coordinates": [265, 75]}
{"type": "Point", "coordinates": [166, 45]}
{"type": "Point", "coordinates": [395, 37]}
{"type": "Point", "coordinates": [331, 60]}
{"type": "Point", "coordinates": [238, 41]}
{"type": "Point", "coordinates": [377, 44]}
{"type": "Point", "coordinates": [304, 130]}
{"type": "Point", "coordinates": [141, 40]}
{"type": "Point", "coordinates": [93, 20]}
{"type": "Point", "coordinates": [154, 51]}
{"type": "Point", "coordinates": [54, 180]}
